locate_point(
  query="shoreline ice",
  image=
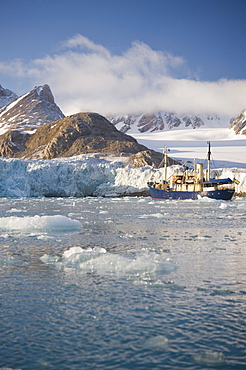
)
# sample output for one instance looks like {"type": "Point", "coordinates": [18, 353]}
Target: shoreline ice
{"type": "Point", "coordinates": [84, 175]}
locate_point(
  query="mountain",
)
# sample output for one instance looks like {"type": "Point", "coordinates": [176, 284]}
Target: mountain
{"type": "Point", "coordinates": [6, 96]}
{"type": "Point", "coordinates": [239, 124]}
{"type": "Point", "coordinates": [33, 126]}
{"type": "Point", "coordinates": [163, 121]}
{"type": "Point", "coordinates": [77, 134]}
{"type": "Point", "coordinates": [30, 110]}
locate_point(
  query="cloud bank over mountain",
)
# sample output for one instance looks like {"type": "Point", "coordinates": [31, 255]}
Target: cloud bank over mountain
{"type": "Point", "coordinates": [86, 76]}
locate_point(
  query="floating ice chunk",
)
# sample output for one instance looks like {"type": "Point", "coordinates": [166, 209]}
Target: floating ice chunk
{"type": "Point", "coordinates": [44, 237]}
{"type": "Point", "coordinates": [201, 237]}
{"type": "Point", "coordinates": [5, 235]}
{"type": "Point", "coordinates": [73, 250]}
{"type": "Point", "coordinates": [158, 342]}
{"type": "Point", "coordinates": [153, 215]}
{"type": "Point", "coordinates": [223, 206]}
{"type": "Point", "coordinates": [47, 259]}
{"type": "Point", "coordinates": [38, 222]}
{"type": "Point", "coordinates": [226, 205]}
{"type": "Point", "coordinates": [12, 210]}
{"type": "Point", "coordinates": [210, 358]}
{"type": "Point", "coordinates": [78, 250]}
{"type": "Point", "coordinates": [97, 259]}
{"type": "Point", "coordinates": [144, 263]}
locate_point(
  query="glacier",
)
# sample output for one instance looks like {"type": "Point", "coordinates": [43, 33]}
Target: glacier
{"type": "Point", "coordinates": [84, 175]}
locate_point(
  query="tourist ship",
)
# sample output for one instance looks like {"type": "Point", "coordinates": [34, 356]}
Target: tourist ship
{"type": "Point", "coordinates": [191, 184]}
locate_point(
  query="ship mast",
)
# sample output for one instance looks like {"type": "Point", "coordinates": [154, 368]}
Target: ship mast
{"type": "Point", "coordinates": [209, 158]}
{"type": "Point", "coordinates": [165, 164]}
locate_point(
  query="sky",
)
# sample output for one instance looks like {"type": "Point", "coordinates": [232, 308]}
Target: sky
{"type": "Point", "coordinates": [119, 57]}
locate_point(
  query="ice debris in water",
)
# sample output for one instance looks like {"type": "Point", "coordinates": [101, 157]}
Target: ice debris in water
{"type": "Point", "coordinates": [226, 205]}
{"type": "Point", "coordinates": [102, 262]}
{"type": "Point", "coordinates": [158, 342]}
{"type": "Point", "coordinates": [223, 206]}
{"type": "Point", "coordinates": [38, 222]}
{"type": "Point", "coordinates": [152, 215]}
{"type": "Point", "coordinates": [77, 250]}
{"type": "Point", "coordinates": [210, 358]}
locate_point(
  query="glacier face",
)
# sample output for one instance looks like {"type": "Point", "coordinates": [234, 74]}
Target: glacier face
{"type": "Point", "coordinates": [82, 176]}
{"type": "Point", "coordinates": [77, 176]}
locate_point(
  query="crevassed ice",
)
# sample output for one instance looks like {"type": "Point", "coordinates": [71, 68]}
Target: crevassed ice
{"type": "Point", "coordinates": [82, 176]}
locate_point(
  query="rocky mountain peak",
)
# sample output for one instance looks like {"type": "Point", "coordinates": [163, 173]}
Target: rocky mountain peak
{"type": "Point", "coordinates": [30, 110]}
{"type": "Point", "coordinates": [6, 96]}
{"type": "Point", "coordinates": [43, 93]}
{"type": "Point", "coordinates": [239, 124]}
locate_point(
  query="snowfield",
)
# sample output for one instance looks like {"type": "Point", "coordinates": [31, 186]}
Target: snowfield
{"type": "Point", "coordinates": [228, 149]}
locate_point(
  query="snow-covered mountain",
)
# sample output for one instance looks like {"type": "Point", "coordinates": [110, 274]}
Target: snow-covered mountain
{"type": "Point", "coordinates": [29, 111]}
{"type": "Point", "coordinates": [239, 124]}
{"type": "Point", "coordinates": [6, 96]}
{"type": "Point", "coordinates": [163, 121]}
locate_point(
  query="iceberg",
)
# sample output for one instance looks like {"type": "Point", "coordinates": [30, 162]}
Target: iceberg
{"type": "Point", "coordinates": [83, 175]}
{"type": "Point", "coordinates": [56, 222]}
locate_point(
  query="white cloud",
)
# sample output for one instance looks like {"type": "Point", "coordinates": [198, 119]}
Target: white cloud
{"type": "Point", "coordinates": [85, 76]}
{"type": "Point", "coordinates": [83, 43]}
{"type": "Point", "coordinates": [15, 67]}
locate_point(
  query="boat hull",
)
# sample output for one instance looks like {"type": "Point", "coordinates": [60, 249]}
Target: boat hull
{"type": "Point", "coordinates": [158, 194]}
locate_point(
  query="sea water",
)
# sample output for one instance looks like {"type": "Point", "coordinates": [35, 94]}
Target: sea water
{"type": "Point", "coordinates": [122, 283]}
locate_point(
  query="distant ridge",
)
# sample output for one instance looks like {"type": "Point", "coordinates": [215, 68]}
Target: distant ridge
{"type": "Point", "coordinates": [163, 121]}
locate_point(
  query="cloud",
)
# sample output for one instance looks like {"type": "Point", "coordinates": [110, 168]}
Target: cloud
{"type": "Point", "coordinates": [85, 76]}
{"type": "Point", "coordinates": [15, 67]}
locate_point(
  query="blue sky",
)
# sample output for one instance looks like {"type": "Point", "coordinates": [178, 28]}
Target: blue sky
{"type": "Point", "coordinates": [116, 56]}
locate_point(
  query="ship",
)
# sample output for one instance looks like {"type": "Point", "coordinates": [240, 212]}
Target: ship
{"type": "Point", "coordinates": [195, 183]}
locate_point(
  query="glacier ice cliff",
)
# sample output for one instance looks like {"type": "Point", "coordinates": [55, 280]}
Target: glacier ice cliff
{"type": "Point", "coordinates": [84, 175]}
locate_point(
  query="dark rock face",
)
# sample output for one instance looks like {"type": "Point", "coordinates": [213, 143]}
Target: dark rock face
{"type": "Point", "coordinates": [12, 143]}
{"type": "Point", "coordinates": [30, 110]}
{"type": "Point", "coordinates": [149, 158]}
{"type": "Point", "coordinates": [239, 124]}
{"type": "Point", "coordinates": [6, 96]}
